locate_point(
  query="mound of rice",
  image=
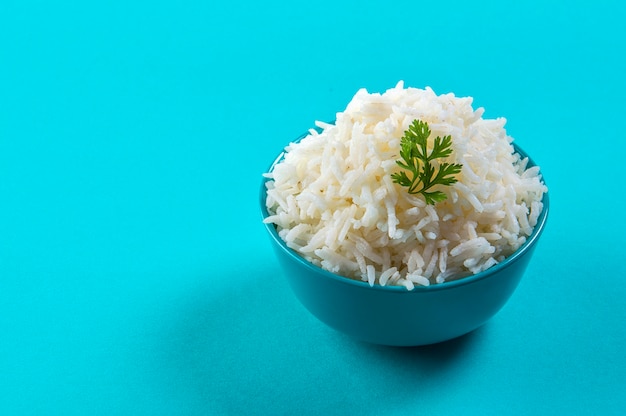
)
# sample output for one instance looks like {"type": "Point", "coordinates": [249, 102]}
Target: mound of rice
{"type": "Point", "coordinates": [333, 201]}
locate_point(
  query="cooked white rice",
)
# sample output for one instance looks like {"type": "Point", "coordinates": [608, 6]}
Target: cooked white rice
{"type": "Point", "coordinates": [333, 201]}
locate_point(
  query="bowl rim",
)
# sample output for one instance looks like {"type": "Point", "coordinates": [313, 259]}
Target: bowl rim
{"type": "Point", "coordinates": [531, 240]}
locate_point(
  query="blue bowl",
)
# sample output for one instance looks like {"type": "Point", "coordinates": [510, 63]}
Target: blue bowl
{"type": "Point", "coordinates": [393, 315]}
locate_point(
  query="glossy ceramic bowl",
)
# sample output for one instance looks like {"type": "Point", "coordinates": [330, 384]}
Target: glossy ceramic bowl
{"type": "Point", "coordinates": [393, 315]}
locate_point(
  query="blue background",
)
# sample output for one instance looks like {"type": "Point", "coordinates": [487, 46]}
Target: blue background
{"type": "Point", "coordinates": [136, 277]}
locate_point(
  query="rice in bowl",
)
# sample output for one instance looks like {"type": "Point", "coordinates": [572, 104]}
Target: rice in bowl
{"type": "Point", "coordinates": [333, 201]}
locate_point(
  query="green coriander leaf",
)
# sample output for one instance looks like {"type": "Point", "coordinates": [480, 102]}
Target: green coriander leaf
{"type": "Point", "coordinates": [434, 197]}
{"type": "Point", "coordinates": [401, 178]}
{"type": "Point", "coordinates": [442, 148]}
{"type": "Point", "coordinates": [446, 173]}
{"type": "Point", "coordinates": [419, 174]}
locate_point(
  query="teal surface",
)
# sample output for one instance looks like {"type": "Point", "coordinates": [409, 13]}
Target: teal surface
{"type": "Point", "coordinates": [137, 279]}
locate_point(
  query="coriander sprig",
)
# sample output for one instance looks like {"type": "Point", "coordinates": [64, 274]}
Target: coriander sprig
{"type": "Point", "coordinates": [417, 161]}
